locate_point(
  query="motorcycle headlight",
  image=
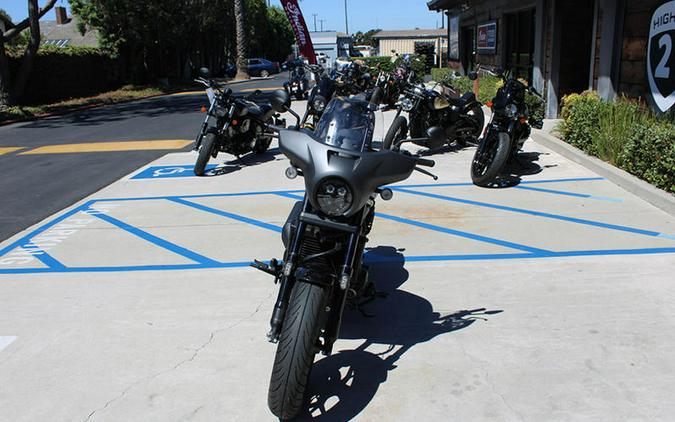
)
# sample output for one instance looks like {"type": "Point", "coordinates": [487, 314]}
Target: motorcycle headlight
{"type": "Point", "coordinates": [406, 104]}
{"type": "Point", "coordinates": [383, 78]}
{"type": "Point", "coordinates": [319, 103]}
{"type": "Point", "coordinates": [220, 111]}
{"type": "Point", "coordinates": [510, 110]}
{"type": "Point", "coordinates": [334, 197]}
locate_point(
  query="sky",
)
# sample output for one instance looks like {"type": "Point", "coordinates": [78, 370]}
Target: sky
{"type": "Point", "coordinates": [363, 14]}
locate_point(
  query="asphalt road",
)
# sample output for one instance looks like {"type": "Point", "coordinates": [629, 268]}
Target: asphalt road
{"type": "Point", "coordinates": [36, 185]}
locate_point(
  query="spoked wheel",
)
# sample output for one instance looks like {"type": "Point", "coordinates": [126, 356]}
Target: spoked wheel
{"type": "Point", "coordinates": [295, 352]}
{"type": "Point", "coordinates": [490, 158]}
{"type": "Point", "coordinates": [206, 149]}
{"type": "Point", "coordinates": [397, 131]}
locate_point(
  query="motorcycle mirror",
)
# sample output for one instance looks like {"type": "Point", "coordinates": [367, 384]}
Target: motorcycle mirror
{"type": "Point", "coordinates": [280, 100]}
{"type": "Point", "coordinates": [473, 75]}
{"type": "Point", "coordinates": [436, 136]}
{"type": "Point", "coordinates": [204, 72]}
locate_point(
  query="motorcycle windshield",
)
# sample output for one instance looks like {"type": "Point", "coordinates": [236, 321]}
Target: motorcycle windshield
{"type": "Point", "coordinates": [346, 124]}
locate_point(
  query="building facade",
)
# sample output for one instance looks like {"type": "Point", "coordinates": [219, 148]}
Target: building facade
{"type": "Point", "coordinates": [430, 42]}
{"type": "Point", "coordinates": [559, 46]}
{"type": "Point", "coordinates": [330, 45]}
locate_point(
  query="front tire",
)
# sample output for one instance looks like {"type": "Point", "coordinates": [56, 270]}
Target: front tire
{"type": "Point", "coordinates": [295, 352]}
{"type": "Point", "coordinates": [397, 131]}
{"type": "Point", "coordinates": [376, 96]}
{"type": "Point", "coordinates": [205, 151]}
{"type": "Point", "coordinates": [489, 160]}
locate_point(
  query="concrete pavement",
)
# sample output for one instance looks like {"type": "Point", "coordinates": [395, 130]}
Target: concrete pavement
{"type": "Point", "coordinates": [547, 300]}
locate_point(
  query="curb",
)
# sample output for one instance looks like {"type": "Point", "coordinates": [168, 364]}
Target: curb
{"type": "Point", "coordinates": [657, 197]}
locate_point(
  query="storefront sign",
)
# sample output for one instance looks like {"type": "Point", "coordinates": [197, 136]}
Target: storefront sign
{"type": "Point", "coordinates": [660, 57]}
{"type": "Point", "coordinates": [486, 38]}
{"type": "Point", "coordinates": [453, 47]}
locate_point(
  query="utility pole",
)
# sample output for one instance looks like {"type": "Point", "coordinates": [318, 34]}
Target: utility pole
{"type": "Point", "coordinates": [322, 21]}
{"type": "Point", "coordinates": [314, 14]}
{"type": "Point", "coordinates": [346, 20]}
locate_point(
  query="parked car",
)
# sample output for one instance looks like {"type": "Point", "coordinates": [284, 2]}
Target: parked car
{"type": "Point", "coordinates": [261, 67]}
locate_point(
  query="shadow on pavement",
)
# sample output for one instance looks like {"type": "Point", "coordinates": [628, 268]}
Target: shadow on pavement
{"type": "Point", "coordinates": [247, 160]}
{"type": "Point", "coordinates": [343, 384]}
{"type": "Point", "coordinates": [525, 164]}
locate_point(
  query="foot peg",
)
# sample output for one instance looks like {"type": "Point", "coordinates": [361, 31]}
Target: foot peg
{"type": "Point", "coordinates": [273, 268]}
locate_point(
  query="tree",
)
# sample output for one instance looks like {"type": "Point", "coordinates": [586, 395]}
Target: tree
{"type": "Point", "coordinates": [361, 38]}
{"type": "Point", "coordinates": [241, 40]}
{"type": "Point", "coordinates": [9, 31]}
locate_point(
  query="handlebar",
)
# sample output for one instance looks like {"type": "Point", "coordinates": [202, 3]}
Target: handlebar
{"type": "Point", "coordinates": [425, 162]}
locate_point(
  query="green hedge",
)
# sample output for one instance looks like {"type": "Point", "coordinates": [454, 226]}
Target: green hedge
{"type": "Point", "coordinates": [622, 133]}
{"type": "Point", "coordinates": [62, 73]}
{"type": "Point", "coordinates": [387, 65]}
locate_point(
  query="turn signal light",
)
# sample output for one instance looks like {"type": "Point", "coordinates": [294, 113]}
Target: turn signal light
{"type": "Point", "coordinates": [234, 123]}
{"type": "Point", "coordinates": [489, 104]}
{"type": "Point", "coordinates": [203, 109]}
{"type": "Point", "coordinates": [523, 120]}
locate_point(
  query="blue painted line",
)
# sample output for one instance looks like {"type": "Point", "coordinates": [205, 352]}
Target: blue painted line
{"type": "Point", "coordinates": [49, 260]}
{"type": "Point", "coordinates": [566, 193]}
{"type": "Point", "coordinates": [26, 239]}
{"type": "Point", "coordinates": [274, 192]}
{"type": "Point", "coordinates": [667, 236]}
{"type": "Point", "coordinates": [463, 234]}
{"type": "Point", "coordinates": [535, 213]}
{"type": "Point", "coordinates": [446, 230]}
{"type": "Point", "coordinates": [236, 217]}
{"type": "Point", "coordinates": [290, 195]}
{"type": "Point", "coordinates": [371, 258]}
{"type": "Point", "coordinates": [179, 250]}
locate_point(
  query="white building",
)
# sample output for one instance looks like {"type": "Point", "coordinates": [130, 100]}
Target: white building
{"type": "Point", "coordinates": [331, 45]}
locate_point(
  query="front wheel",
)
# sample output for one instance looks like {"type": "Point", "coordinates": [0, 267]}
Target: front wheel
{"type": "Point", "coordinates": [490, 158]}
{"type": "Point", "coordinates": [397, 131]}
{"type": "Point", "coordinates": [295, 352]}
{"type": "Point", "coordinates": [376, 96]}
{"type": "Point", "coordinates": [205, 151]}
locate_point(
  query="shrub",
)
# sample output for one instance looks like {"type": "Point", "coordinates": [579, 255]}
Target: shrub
{"type": "Point", "coordinates": [386, 64]}
{"type": "Point", "coordinates": [622, 133]}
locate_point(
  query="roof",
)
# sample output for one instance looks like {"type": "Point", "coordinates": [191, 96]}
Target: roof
{"type": "Point", "coordinates": [412, 33]}
{"type": "Point", "coordinates": [446, 4]}
{"type": "Point", "coordinates": [67, 34]}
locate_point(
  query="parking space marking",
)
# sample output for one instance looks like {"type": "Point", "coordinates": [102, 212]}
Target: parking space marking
{"type": "Point", "coordinates": [566, 193]}
{"type": "Point", "coordinates": [100, 207]}
{"type": "Point", "coordinates": [7, 150]}
{"type": "Point", "coordinates": [230, 215]}
{"type": "Point", "coordinates": [179, 250]}
{"type": "Point", "coordinates": [114, 146]}
{"type": "Point", "coordinates": [534, 213]}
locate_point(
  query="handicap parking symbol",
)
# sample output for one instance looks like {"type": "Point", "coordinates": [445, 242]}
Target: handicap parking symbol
{"type": "Point", "coordinates": [167, 172]}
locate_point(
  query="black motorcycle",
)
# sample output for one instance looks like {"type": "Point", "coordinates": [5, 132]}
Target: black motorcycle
{"type": "Point", "coordinates": [324, 238]}
{"type": "Point", "coordinates": [240, 124]}
{"type": "Point", "coordinates": [461, 118]}
{"type": "Point", "coordinates": [506, 133]}
{"type": "Point", "coordinates": [319, 96]}
{"type": "Point", "coordinates": [298, 83]}
{"type": "Point", "coordinates": [390, 85]}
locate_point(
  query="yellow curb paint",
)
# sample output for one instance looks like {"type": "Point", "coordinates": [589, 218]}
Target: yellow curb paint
{"type": "Point", "coordinates": [7, 150]}
{"type": "Point", "coordinates": [178, 94]}
{"type": "Point", "coordinates": [109, 146]}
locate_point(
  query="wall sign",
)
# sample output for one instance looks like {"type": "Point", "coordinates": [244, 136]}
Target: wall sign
{"type": "Point", "coordinates": [661, 57]}
{"type": "Point", "coordinates": [486, 38]}
{"type": "Point", "coordinates": [453, 40]}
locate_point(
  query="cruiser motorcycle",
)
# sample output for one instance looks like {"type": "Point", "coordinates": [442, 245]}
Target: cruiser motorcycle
{"type": "Point", "coordinates": [324, 238]}
{"type": "Point", "coordinates": [240, 124]}
{"type": "Point", "coordinates": [506, 133]}
{"type": "Point", "coordinates": [461, 118]}
{"type": "Point", "coordinates": [298, 84]}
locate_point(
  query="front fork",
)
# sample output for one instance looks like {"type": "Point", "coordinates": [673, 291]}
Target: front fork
{"type": "Point", "coordinates": [205, 126]}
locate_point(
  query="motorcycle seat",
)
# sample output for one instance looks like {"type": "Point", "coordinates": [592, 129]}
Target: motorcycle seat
{"type": "Point", "coordinates": [466, 98]}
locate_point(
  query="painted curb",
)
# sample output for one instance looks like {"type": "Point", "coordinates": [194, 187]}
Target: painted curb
{"type": "Point", "coordinates": [627, 181]}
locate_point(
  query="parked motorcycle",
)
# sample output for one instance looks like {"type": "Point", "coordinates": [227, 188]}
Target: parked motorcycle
{"type": "Point", "coordinates": [298, 84]}
{"type": "Point", "coordinates": [506, 133]}
{"type": "Point", "coordinates": [461, 118]}
{"type": "Point", "coordinates": [240, 124]}
{"type": "Point", "coordinates": [324, 238]}
{"type": "Point", "coordinates": [390, 85]}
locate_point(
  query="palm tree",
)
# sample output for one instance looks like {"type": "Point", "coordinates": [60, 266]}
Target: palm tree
{"type": "Point", "coordinates": [241, 40]}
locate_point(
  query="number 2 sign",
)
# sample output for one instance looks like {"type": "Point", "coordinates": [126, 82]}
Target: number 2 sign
{"type": "Point", "coordinates": [660, 62]}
